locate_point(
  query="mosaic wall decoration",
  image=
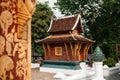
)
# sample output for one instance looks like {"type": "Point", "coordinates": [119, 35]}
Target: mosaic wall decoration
{"type": "Point", "coordinates": [15, 39]}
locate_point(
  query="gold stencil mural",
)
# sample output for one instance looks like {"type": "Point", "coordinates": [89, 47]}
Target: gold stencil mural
{"type": "Point", "coordinates": [2, 44]}
{"type": "Point", "coordinates": [6, 64]}
{"type": "Point", "coordinates": [15, 39]}
{"type": "Point", "coordinates": [6, 21]}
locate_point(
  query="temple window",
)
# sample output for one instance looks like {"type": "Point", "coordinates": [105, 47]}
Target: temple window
{"type": "Point", "coordinates": [58, 51]}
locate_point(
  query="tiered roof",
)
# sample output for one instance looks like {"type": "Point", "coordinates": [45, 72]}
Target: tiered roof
{"type": "Point", "coordinates": [64, 38]}
{"type": "Point", "coordinates": [65, 24]}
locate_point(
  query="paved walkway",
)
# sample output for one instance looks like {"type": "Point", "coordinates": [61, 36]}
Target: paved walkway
{"type": "Point", "coordinates": [37, 75]}
{"type": "Point", "coordinates": [115, 76]}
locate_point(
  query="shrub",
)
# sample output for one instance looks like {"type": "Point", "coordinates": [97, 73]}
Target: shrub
{"type": "Point", "coordinates": [118, 56]}
{"type": "Point", "coordinates": [109, 62]}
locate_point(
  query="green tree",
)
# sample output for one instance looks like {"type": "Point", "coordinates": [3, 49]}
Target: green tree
{"type": "Point", "coordinates": [40, 24]}
{"type": "Point", "coordinates": [101, 17]}
{"type": "Point", "coordinates": [89, 9]}
{"type": "Point", "coordinates": [106, 28]}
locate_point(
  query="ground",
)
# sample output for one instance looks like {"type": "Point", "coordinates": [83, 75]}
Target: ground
{"type": "Point", "coordinates": [37, 75]}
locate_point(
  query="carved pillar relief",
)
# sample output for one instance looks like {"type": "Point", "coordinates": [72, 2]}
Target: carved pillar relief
{"type": "Point", "coordinates": [15, 42]}
{"type": "Point", "coordinates": [67, 51]}
{"type": "Point", "coordinates": [49, 51]}
{"type": "Point", "coordinates": [45, 51]}
{"type": "Point", "coordinates": [72, 50]}
{"type": "Point", "coordinates": [78, 52]}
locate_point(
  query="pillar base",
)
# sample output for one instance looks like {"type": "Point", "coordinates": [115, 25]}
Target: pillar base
{"type": "Point", "coordinates": [98, 71]}
{"type": "Point", "coordinates": [74, 65]}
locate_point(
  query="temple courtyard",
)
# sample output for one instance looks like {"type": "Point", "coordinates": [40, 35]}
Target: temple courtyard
{"type": "Point", "coordinates": [49, 74]}
{"type": "Point", "coordinates": [37, 75]}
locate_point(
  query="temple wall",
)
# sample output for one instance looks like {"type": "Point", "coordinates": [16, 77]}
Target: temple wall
{"type": "Point", "coordinates": [70, 51]}
{"type": "Point", "coordinates": [15, 39]}
{"type": "Point", "coordinates": [56, 56]}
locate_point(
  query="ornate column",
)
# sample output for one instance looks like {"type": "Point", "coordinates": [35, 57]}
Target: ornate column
{"type": "Point", "coordinates": [15, 39]}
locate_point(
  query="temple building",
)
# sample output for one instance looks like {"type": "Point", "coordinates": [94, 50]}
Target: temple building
{"type": "Point", "coordinates": [66, 41]}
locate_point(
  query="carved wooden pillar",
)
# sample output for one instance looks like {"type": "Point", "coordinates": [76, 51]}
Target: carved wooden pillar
{"type": "Point", "coordinates": [49, 51]}
{"type": "Point", "coordinates": [78, 52]}
{"type": "Point", "coordinates": [15, 39]}
{"type": "Point", "coordinates": [86, 48]}
{"type": "Point", "coordinates": [72, 51]}
{"type": "Point", "coordinates": [45, 51]}
{"type": "Point", "coordinates": [85, 51]}
{"type": "Point", "coordinates": [67, 53]}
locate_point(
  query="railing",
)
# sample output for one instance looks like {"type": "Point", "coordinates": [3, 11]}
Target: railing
{"type": "Point", "coordinates": [109, 71]}
{"type": "Point", "coordinates": [114, 70]}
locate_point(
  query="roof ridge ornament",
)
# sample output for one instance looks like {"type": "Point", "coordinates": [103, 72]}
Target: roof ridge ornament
{"type": "Point", "coordinates": [77, 20]}
{"type": "Point", "coordinates": [62, 17]}
{"type": "Point", "coordinates": [50, 24]}
{"type": "Point", "coordinates": [73, 37]}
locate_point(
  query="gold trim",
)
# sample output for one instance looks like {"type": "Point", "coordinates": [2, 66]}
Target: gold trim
{"type": "Point", "coordinates": [58, 51]}
{"type": "Point", "coordinates": [49, 51]}
{"type": "Point", "coordinates": [86, 50]}
{"type": "Point", "coordinates": [67, 51]}
{"type": "Point", "coordinates": [45, 50]}
{"type": "Point", "coordinates": [76, 47]}
{"type": "Point", "coordinates": [79, 49]}
{"type": "Point", "coordinates": [71, 48]}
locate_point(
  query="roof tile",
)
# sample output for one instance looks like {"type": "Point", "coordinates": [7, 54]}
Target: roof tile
{"type": "Point", "coordinates": [65, 38]}
{"type": "Point", "coordinates": [64, 24]}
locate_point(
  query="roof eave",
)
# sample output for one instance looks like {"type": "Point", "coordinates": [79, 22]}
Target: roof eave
{"type": "Point", "coordinates": [50, 25]}
{"type": "Point", "coordinates": [77, 20]}
{"type": "Point", "coordinates": [40, 41]}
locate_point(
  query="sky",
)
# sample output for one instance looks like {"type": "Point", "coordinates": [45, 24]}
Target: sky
{"type": "Point", "coordinates": [51, 4]}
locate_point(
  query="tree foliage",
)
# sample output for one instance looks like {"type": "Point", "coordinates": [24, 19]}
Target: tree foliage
{"type": "Point", "coordinates": [89, 9]}
{"type": "Point", "coordinates": [109, 62]}
{"type": "Point", "coordinates": [40, 24]}
{"type": "Point", "coordinates": [102, 18]}
{"type": "Point", "coordinates": [106, 28]}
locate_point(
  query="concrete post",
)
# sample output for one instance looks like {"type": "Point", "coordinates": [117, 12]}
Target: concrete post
{"type": "Point", "coordinates": [98, 57]}
{"type": "Point", "coordinates": [98, 71]}
{"type": "Point", "coordinates": [106, 71]}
